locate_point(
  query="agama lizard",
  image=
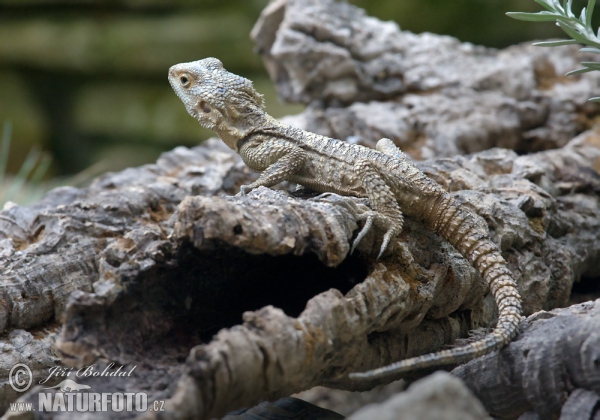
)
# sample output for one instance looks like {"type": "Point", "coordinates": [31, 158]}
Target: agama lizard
{"type": "Point", "coordinates": [228, 104]}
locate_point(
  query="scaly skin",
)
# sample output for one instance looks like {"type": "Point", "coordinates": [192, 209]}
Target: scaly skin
{"type": "Point", "coordinates": [229, 105]}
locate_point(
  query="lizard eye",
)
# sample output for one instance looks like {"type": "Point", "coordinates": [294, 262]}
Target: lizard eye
{"type": "Point", "coordinates": [184, 80]}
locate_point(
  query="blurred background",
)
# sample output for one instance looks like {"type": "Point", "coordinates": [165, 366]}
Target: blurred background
{"type": "Point", "coordinates": [83, 83]}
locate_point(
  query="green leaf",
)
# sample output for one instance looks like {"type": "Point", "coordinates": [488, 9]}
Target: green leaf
{"type": "Point", "coordinates": [572, 32]}
{"type": "Point", "coordinates": [582, 17]}
{"type": "Point", "coordinates": [594, 99]}
{"type": "Point", "coordinates": [558, 43]}
{"type": "Point", "coordinates": [24, 172]}
{"type": "Point", "coordinates": [569, 7]}
{"type": "Point", "coordinates": [591, 64]}
{"type": "Point", "coordinates": [590, 10]}
{"type": "Point", "coordinates": [590, 50]}
{"type": "Point", "coordinates": [533, 17]}
{"type": "Point", "coordinates": [40, 171]}
{"type": "Point", "coordinates": [546, 4]}
{"type": "Point", "coordinates": [578, 71]}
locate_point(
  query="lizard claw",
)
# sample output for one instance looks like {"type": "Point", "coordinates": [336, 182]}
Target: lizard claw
{"type": "Point", "coordinates": [386, 241]}
{"type": "Point", "coordinates": [390, 231]}
{"type": "Point", "coordinates": [244, 190]}
{"type": "Point", "coordinates": [366, 228]}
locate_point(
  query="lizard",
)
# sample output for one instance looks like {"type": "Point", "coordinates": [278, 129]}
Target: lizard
{"type": "Point", "coordinates": [229, 105]}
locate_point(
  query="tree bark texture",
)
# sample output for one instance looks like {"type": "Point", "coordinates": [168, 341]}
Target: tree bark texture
{"type": "Point", "coordinates": [164, 262]}
{"type": "Point", "coordinates": [550, 377]}
{"type": "Point", "coordinates": [431, 94]}
{"type": "Point", "coordinates": [220, 301]}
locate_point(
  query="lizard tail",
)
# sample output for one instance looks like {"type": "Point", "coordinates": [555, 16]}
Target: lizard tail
{"type": "Point", "coordinates": [465, 232]}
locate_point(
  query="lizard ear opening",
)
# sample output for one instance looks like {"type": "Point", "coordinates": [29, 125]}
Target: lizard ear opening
{"type": "Point", "coordinates": [203, 105]}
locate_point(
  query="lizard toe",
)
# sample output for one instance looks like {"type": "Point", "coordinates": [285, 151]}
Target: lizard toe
{"type": "Point", "coordinates": [383, 224]}
{"type": "Point", "coordinates": [244, 190]}
{"type": "Point", "coordinates": [387, 238]}
{"type": "Point", "coordinates": [366, 228]}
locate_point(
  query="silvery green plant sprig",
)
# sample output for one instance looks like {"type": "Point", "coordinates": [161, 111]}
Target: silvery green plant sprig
{"type": "Point", "coordinates": [578, 28]}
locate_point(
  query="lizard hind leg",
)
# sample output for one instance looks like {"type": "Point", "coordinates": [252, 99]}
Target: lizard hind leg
{"type": "Point", "coordinates": [387, 214]}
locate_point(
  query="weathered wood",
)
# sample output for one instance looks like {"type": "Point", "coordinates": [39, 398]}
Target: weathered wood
{"type": "Point", "coordinates": [167, 267]}
{"type": "Point", "coordinates": [432, 95]}
{"type": "Point", "coordinates": [34, 349]}
{"type": "Point", "coordinates": [552, 368]}
{"type": "Point", "coordinates": [144, 266]}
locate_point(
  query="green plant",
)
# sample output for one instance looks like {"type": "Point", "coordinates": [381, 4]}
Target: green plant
{"type": "Point", "coordinates": [578, 28]}
{"type": "Point", "coordinates": [25, 187]}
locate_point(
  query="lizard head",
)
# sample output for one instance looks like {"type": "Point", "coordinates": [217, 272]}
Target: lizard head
{"type": "Point", "coordinates": [219, 100]}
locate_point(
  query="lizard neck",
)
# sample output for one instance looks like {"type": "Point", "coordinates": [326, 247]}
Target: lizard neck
{"type": "Point", "coordinates": [240, 125]}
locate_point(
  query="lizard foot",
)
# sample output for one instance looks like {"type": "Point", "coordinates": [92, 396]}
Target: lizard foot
{"type": "Point", "coordinates": [383, 223]}
{"type": "Point", "coordinates": [244, 190]}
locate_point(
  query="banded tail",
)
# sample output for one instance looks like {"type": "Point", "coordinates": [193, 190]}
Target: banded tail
{"type": "Point", "coordinates": [460, 228]}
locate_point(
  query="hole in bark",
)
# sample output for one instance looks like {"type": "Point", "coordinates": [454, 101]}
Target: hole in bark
{"type": "Point", "coordinates": [218, 287]}
{"type": "Point", "coordinates": [587, 288]}
{"type": "Point", "coordinates": [169, 308]}
{"type": "Point", "coordinates": [186, 300]}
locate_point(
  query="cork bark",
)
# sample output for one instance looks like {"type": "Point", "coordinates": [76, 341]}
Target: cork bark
{"type": "Point", "coordinates": [552, 377]}
{"type": "Point", "coordinates": [221, 301]}
{"type": "Point", "coordinates": [164, 261]}
{"type": "Point", "coordinates": [434, 96]}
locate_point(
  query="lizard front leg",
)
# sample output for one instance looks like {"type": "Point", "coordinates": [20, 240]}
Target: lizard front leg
{"type": "Point", "coordinates": [278, 160]}
{"type": "Point", "coordinates": [383, 201]}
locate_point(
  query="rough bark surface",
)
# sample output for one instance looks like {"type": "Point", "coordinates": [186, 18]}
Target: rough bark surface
{"type": "Point", "coordinates": [557, 377]}
{"type": "Point", "coordinates": [166, 270]}
{"type": "Point", "coordinates": [432, 95]}
{"type": "Point", "coordinates": [156, 267]}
